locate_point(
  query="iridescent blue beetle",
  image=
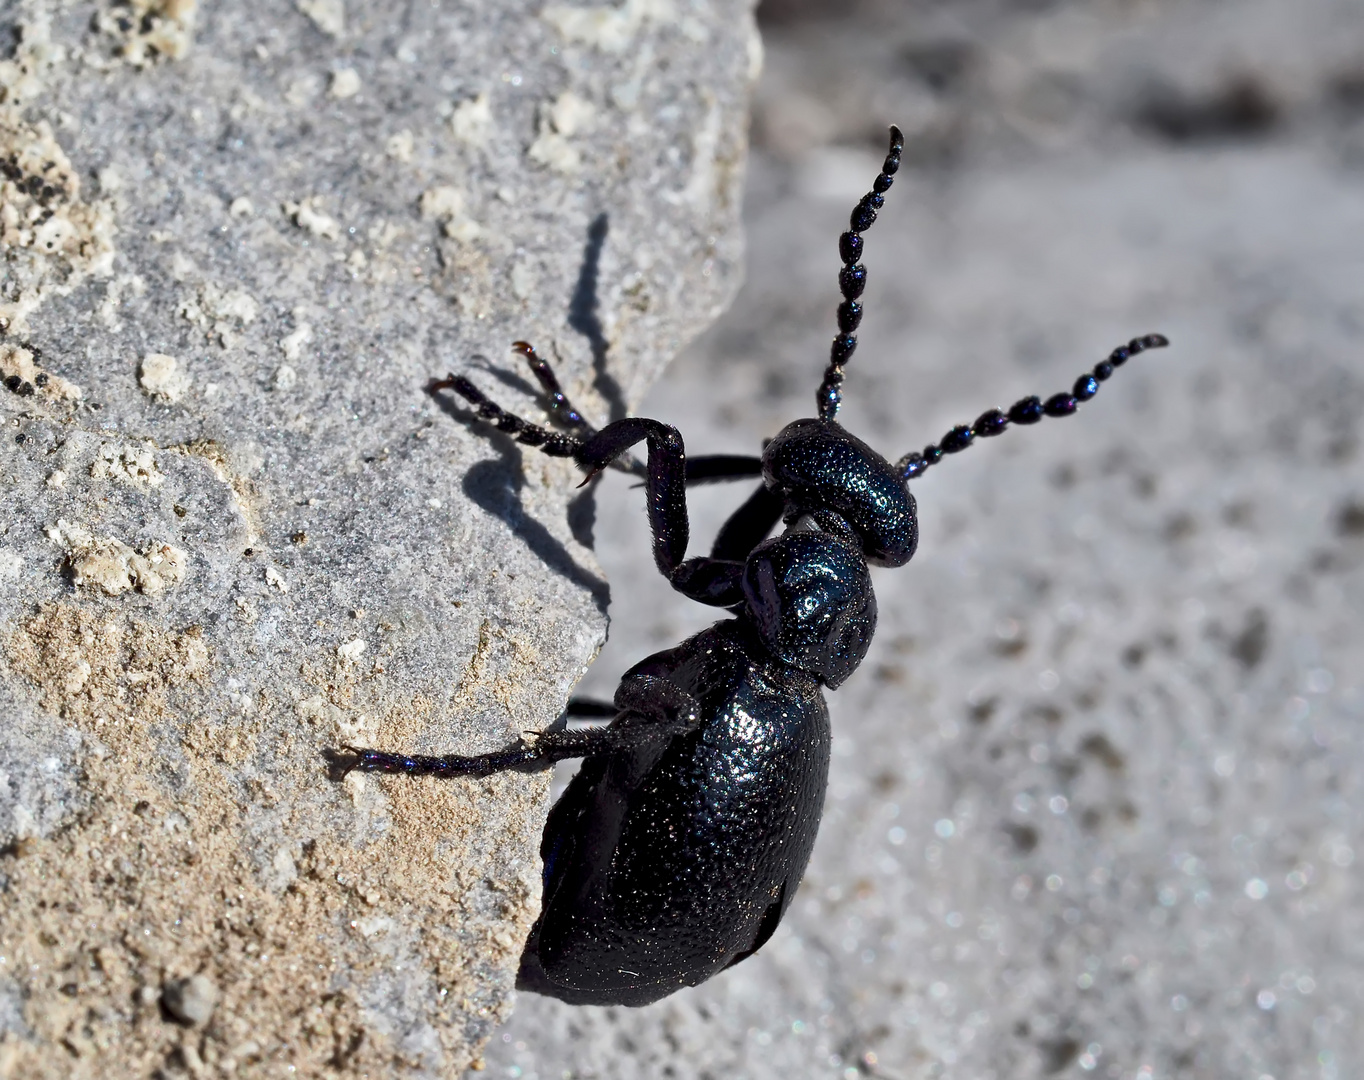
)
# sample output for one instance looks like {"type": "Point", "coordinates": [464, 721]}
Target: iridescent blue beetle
{"type": "Point", "coordinates": [677, 848]}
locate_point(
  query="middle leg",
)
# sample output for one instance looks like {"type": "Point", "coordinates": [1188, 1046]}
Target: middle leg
{"type": "Point", "coordinates": [713, 580]}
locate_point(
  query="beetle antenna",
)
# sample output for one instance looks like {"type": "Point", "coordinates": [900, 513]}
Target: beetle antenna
{"type": "Point", "coordinates": [1027, 411]}
{"type": "Point", "coordinates": [852, 279]}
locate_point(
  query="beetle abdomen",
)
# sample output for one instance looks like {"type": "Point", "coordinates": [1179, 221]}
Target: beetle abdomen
{"type": "Point", "coordinates": [658, 880]}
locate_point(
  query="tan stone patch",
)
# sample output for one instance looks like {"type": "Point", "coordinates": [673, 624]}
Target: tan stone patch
{"type": "Point", "coordinates": [107, 564]}
{"type": "Point", "coordinates": [153, 882]}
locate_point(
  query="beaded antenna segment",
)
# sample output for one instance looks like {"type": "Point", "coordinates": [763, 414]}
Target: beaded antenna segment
{"type": "Point", "coordinates": [1029, 410]}
{"type": "Point", "coordinates": [852, 279]}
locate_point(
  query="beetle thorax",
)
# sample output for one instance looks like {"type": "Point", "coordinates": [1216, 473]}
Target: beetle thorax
{"type": "Point", "coordinates": [809, 596]}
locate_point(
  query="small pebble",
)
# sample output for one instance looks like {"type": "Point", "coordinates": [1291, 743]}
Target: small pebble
{"type": "Point", "coordinates": [191, 1000]}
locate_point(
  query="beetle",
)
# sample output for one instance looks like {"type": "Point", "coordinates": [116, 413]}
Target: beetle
{"type": "Point", "coordinates": [678, 846]}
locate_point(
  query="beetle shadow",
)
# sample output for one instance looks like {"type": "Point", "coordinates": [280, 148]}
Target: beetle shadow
{"type": "Point", "coordinates": [486, 485]}
{"type": "Point", "coordinates": [510, 379]}
{"type": "Point", "coordinates": [583, 307]}
{"type": "Point", "coordinates": [583, 316]}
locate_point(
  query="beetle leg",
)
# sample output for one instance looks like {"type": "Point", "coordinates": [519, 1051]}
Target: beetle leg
{"type": "Point", "coordinates": [540, 752]}
{"type": "Point", "coordinates": [659, 699]}
{"type": "Point", "coordinates": [523, 431]}
{"type": "Point", "coordinates": [670, 708]}
{"type": "Point", "coordinates": [749, 525]}
{"type": "Point", "coordinates": [560, 408]}
{"type": "Point", "coordinates": [715, 468]}
{"type": "Point", "coordinates": [520, 755]}
{"type": "Point", "coordinates": [717, 582]}
{"type": "Point", "coordinates": [553, 443]}
{"type": "Point", "coordinates": [666, 484]}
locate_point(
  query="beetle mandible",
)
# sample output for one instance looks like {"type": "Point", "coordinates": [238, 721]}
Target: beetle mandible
{"type": "Point", "coordinates": [678, 846]}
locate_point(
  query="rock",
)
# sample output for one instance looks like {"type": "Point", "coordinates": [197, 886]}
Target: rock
{"type": "Point", "coordinates": [237, 532]}
{"type": "Point", "coordinates": [191, 1000]}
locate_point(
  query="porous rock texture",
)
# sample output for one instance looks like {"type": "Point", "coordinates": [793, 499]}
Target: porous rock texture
{"type": "Point", "coordinates": [1097, 798]}
{"type": "Point", "coordinates": [238, 239]}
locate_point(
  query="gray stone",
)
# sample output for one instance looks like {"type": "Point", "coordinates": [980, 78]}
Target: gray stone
{"type": "Point", "coordinates": [239, 239]}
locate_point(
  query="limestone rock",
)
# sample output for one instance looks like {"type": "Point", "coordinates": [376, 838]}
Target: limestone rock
{"type": "Point", "coordinates": [236, 530]}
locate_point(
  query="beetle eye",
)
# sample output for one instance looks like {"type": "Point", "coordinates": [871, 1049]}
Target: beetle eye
{"type": "Point", "coordinates": [809, 596]}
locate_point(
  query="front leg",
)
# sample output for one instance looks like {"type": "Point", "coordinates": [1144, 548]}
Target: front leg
{"type": "Point", "coordinates": [665, 485]}
{"type": "Point", "coordinates": [666, 474]}
{"type": "Point", "coordinates": [718, 579]}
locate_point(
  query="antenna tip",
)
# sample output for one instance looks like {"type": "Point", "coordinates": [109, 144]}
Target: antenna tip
{"type": "Point", "coordinates": [897, 139]}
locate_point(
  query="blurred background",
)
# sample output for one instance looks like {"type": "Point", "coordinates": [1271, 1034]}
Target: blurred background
{"type": "Point", "coordinates": [1095, 805]}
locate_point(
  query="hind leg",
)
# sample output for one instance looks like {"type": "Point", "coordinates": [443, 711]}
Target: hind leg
{"type": "Point", "coordinates": [647, 710]}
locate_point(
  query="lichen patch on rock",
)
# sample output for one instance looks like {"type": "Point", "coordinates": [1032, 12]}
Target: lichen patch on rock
{"type": "Point", "coordinates": [566, 116]}
{"type": "Point", "coordinates": [308, 215]}
{"type": "Point", "coordinates": [221, 313]}
{"type": "Point", "coordinates": [345, 83]}
{"type": "Point", "coordinates": [291, 344]}
{"type": "Point", "coordinates": [445, 204]}
{"type": "Point", "coordinates": [112, 567]}
{"type": "Point", "coordinates": [23, 375]}
{"type": "Point", "coordinates": [35, 55]}
{"type": "Point", "coordinates": [329, 16]}
{"type": "Point", "coordinates": [608, 28]}
{"type": "Point", "coordinates": [472, 120]}
{"type": "Point", "coordinates": [52, 238]}
{"type": "Point", "coordinates": [147, 30]}
{"type": "Point", "coordinates": [161, 376]}
{"type": "Point", "coordinates": [133, 464]}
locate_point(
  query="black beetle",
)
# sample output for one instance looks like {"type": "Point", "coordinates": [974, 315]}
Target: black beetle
{"type": "Point", "coordinates": [680, 843]}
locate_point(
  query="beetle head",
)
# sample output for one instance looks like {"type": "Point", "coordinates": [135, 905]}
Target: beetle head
{"type": "Point", "coordinates": [819, 468]}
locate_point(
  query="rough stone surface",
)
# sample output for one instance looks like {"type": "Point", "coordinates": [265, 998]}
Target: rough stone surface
{"type": "Point", "coordinates": [1097, 803]}
{"type": "Point", "coordinates": [238, 239]}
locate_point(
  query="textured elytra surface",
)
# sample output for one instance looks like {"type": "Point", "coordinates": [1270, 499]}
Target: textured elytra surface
{"type": "Point", "coordinates": [238, 240]}
{"type": "Point", "coordinates": [1095, 799]}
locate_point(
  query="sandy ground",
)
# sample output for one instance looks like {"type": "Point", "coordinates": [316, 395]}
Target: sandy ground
{"type": "Point", "coordinates": [1095, 806]}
